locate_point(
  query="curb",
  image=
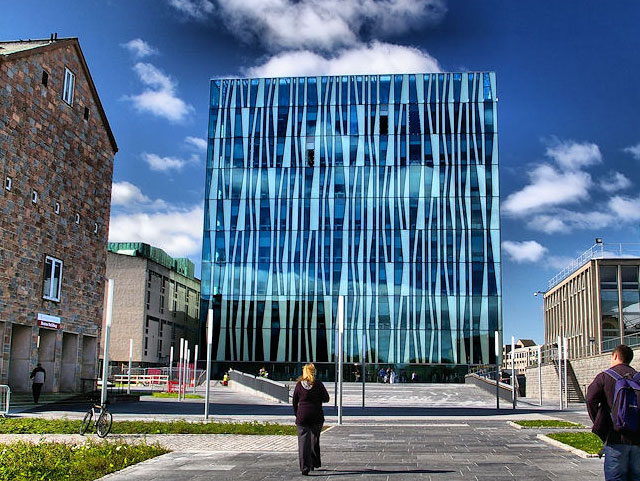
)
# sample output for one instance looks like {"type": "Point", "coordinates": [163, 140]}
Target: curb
{"type": "Point", "coordinates": [566, 447]}
{"type": "Point", "coordinates": [547, 428]}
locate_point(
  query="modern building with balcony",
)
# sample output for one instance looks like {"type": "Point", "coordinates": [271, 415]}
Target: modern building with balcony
{"type": "Point", "coordinates": [595, 301]}
{"type": "Point", "coordinates": [379, 188]}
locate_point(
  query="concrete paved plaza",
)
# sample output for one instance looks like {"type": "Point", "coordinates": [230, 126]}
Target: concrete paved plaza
{"type": "Point", "coordinates": [473, 450]}
{"type": "Point", "coordinates": [406, 431]}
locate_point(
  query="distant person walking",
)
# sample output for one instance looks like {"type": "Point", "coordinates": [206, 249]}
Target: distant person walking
{"type": "Point", "coordinates": [606, 408]}
{"type": "Point", "coordinates": [39, 375]}
{"type": "Point", "coordinates": [308, 397]}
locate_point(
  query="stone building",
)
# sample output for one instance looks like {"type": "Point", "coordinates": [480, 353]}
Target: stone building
{"type": "Point", "coordinates": [156, 302]}
{"type": "Point", "coordinates": [56, 151]}
{"type": "Point", "coordinates": [525, 354]}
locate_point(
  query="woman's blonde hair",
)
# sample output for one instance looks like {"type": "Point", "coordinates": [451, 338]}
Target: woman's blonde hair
{"type": "Point", "coordinates": [308, 373]}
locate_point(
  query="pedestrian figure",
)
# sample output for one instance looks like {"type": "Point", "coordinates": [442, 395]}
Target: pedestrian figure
{"type": "Point", "coordinates": [381, 374]}
{"type": "Point", "coordinates": [414, 377]}
{"type": "Point", "coordinates": [308, 396]}
{"type": "Point", "coordinates": [606, 407]}
{"type": "Point", "coordinates": [38, 375]}
{"type": "Point", "coordinates": [357, 375]}
{"type": "Point", "coordinates": [392, 377]}
{"type": "Point", "coordinates": [225, 379]}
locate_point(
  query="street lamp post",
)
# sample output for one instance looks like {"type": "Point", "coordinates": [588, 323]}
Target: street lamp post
{"type": "Point", "coordinates": [130, 359]}
{"type": "Point", "coordinates": [340, 358]}
{"type": "Point", "coordinates": [208, 379]}
{"type": "Point", "coordinates": [107, 334]}
{"type": "Point", "coordinates": [497, 349]}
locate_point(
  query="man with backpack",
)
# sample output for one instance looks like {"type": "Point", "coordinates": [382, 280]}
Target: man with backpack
{"type": "Point", "coordinates": [612, 403]}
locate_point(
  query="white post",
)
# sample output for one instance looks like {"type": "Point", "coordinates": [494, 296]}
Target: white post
{"type": "Point", "coordinates": [187, 377]}
{"type": "Point", "coordinates": [107, 334]}
{"type": "Point", "coordinates": [340, 357]}
{"type": "Point", "coordinates": [130, 359]}
{"type": "Point", "coordinates": [560, 370]}
{"type": "Point", "coordinates": [184, 369]}
{"type": "Point", "coordinates": [513, 371]}
{"type": "Point", "coordinates": [364, 362]}
{"type": "Point", "coordinates": [208, 381]}
{"type": "Point", "coordinates": [540, 373]}
{"type": "Point", "coordinates": [181, 358]}
{"type": "Point", "coordinates": [497, 349]}
{"type": "Point", "coordinates": [195, 368]}
{"type": "Point", "coordinates": [565, 348]}
{"type": "Point", "coordinates": [170, 368]}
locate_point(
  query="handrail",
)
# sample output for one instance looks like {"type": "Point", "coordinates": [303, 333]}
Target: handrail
{"type": "Point", "coordinates": [5, 395]}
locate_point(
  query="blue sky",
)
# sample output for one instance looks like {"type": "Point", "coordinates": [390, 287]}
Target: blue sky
{"type": "Point", "coordinates": [567, 85]}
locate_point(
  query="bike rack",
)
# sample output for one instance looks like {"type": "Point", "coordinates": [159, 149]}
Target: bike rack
{"type": "Point", "coordinates": [5, 397]}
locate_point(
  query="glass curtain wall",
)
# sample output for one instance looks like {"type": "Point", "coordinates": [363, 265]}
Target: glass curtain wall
{"type": "Point", "coordinates": [383, 189]}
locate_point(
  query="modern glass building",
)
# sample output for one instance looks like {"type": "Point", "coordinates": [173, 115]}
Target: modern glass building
{"type": "Point", "coordinates": [381, 188]}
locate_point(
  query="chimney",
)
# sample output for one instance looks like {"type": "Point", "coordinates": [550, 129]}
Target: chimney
{"type": "Point", "coordinates": [51, 39]}
{"type": "Point", "coordinates": [56, 36]}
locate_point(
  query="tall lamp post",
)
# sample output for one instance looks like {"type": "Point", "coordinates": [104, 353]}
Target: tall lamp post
{"type": "Point", "coordinates": [540, 349]}
{"type": "Point", "coordinates": [107, 335]}
{"type": "Point", "coordinates": [208, 379]}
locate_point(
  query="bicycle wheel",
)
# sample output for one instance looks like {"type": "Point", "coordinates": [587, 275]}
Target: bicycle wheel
{"type": "Point", "coordinates": [103, 425]}
{"type": "Point", "coordinates": [86, 422]}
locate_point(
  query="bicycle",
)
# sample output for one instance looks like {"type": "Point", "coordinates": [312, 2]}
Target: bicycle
{"type": "Point", "coordinates": [103, 420]}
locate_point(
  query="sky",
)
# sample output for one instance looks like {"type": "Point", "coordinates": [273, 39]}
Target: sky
{"type": "Point", "coordinates": [568, 98]}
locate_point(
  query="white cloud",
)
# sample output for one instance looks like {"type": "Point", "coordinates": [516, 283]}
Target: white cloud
{"type": "Point", "coordinates": [626, 208]}
{"type": "Point", "coordinates": [525, 251]}
{"type": "Point", "coordinates": [377, 57]}
{"type": "Point", "coordinates": [160, 98]}
{"type": "Point", "coordinates": [563, 221]}
{"type": "Point", "coordinates": [139, 48]}
{"type": "Point", "coordinates": [634, 150]}
{"type": "Point", "coordinates": [197, 143]}
{"type": "Point", "coordinates": [178, 232]}
{"type": "Point", "coordinates": [198, 9]}
{"type": "Point", "coordinates": [315, 24]}
{"type": "Point", "coordinates": [127, 195]}
{"type": "Point", "coordinates": [548, 187]}
{"type": "Point", "coordinates": [570, 155]}
{"type": "Point", "coordinates": [123, 193]}
{"type": "Point", "coordinates": [165, 164]}
{"type": "Point", "coordinates": [615, 182]}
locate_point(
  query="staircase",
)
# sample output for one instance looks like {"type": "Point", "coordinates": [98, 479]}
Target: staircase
{"type": "Point", "coordinates": [24, 401]}
{"type": "Point", "coordinates": [574, 392]}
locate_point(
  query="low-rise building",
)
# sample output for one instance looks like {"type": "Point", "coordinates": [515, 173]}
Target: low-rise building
{"type": "Point", "coordinates": [525, 354]}
{"type": "Point", "coordinates": [156, 302]}
{"type": "Point", "coordinates": [56, 166]}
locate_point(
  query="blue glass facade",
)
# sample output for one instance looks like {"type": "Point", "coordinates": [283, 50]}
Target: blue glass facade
{"type": "Point", "coordinates": [381, 188]}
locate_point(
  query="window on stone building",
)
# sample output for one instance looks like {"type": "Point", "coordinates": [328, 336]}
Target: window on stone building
{"type": "Point", "coordinates": [86, 113]}
{"type": "Point", "coordinates": [57, 208]}
{"type": "Point", "coordinates": [8, 182]}
{"type": "Point", "coordinates": [77, 218]}
{"type": "Point", "coordinates": [69, 85]}
{"type": "Point", "coordinates": [34, 196]}
{"type": "Point", "coordinates": [95, 227]}
{"type": "Point", "coordinates": [52, 279]}
{"type": "Point", "coordinates": [45, 78]}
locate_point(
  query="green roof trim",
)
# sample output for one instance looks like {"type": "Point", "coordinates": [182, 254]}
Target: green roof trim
{"type": "Point", "coordinates": [181, 265]}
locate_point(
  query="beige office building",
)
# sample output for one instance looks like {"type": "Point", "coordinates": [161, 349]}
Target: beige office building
{"type": "Point", "coordinates": [525, 354]}
{"type": "Point", "coordinates": [156, 302]}
{"type": "Point", "coordinates": [595, 305]}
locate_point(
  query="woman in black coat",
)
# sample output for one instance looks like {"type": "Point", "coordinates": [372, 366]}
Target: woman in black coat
{"type": "Point", "coordinates": [308, 397]}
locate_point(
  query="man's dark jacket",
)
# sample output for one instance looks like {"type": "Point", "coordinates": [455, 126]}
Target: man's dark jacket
{"type": "Point", "coordinates": [307, 403]}
{"type": "Point", "coordinates": [599, 401]}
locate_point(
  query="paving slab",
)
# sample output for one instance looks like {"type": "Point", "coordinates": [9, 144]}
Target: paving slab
{"type": "Point", "coordinates": [397, 452]}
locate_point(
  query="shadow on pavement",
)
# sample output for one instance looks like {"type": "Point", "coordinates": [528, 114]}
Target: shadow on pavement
{"type": "Point", "coordinates": [196, 408]}
{"type": "Point", "coordinates": [346, 472]}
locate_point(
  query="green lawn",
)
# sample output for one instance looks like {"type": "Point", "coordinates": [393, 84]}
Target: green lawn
{"type": "Point", "coordinates": [58, 461]}
{"type": "Point", "coordinates": [68, 426]}
{"type": "Point", "coordinates": [587, 442]}
{"type": "Point", "coordinates": [549, 423]}
{"type": "Point", "coordinates": [173, 395]}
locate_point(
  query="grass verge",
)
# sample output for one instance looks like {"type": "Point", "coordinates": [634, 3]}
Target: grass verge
{"type": "Point", "coordinates": [174, 395]}
{"type": "Point", "coordinates": [587, 442]}
{"type": "Point", "coordinates": [549, 423]}
{"type": "Point", "coordinates": [72, 426]}
{"type": "Point", "coordinates": [58, 461]}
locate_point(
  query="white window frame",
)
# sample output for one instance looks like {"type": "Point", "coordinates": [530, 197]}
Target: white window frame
{"type": "Point", "coordinates": [51, 294]}
{"type": "Point", "coordinates": [69, 86]}
{"type": "Point", "coordinates": [34, 196]}
{"type": "Point", "coordinates": [8, 183]}
{"type": "Point", "coordinates": [56, 209]}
